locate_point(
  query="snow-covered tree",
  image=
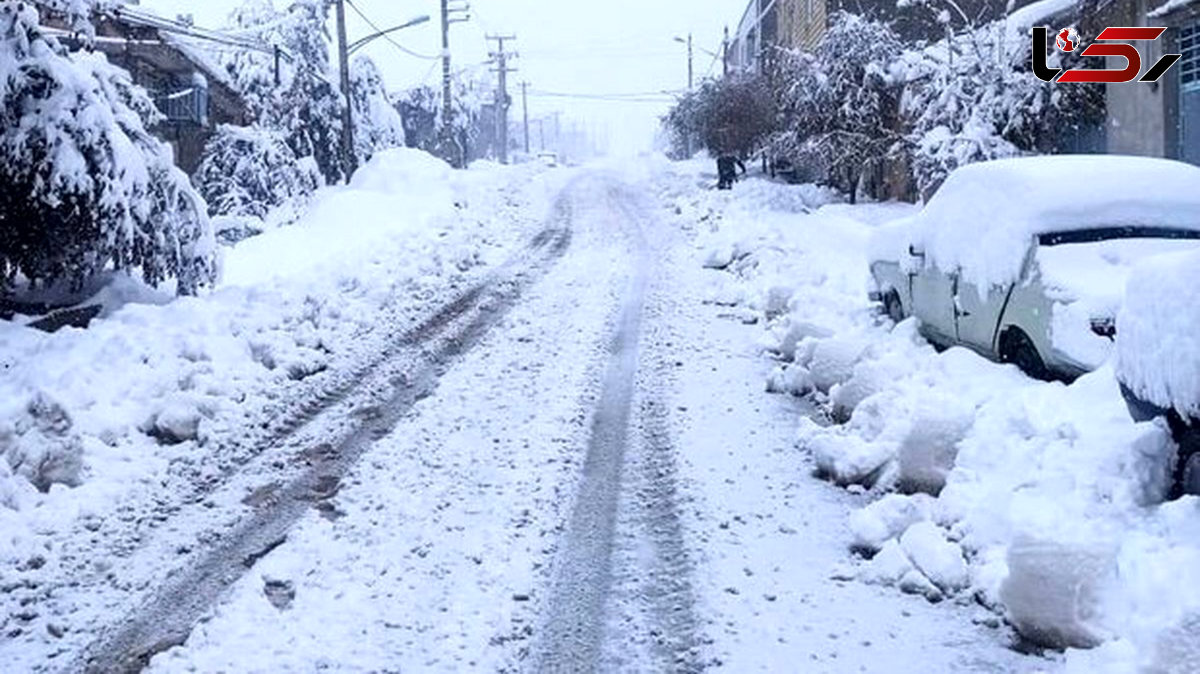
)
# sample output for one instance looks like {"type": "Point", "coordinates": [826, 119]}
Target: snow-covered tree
{"type": "Point", "coordinates": [251, 171]}
{"type": "Point", "coordinates": [86, 187]}
{"type": "Point", "coordinates": [972, 97]}
{"type": "Point", "coordinates": [839, 106]}
{"type": "Point", "coordinates": [420, 111]}
{"type": "Point", "coordinates": [377, 123]}
{"type": "Point", "coordinates": [730, 116]}
{"type": "Point", "coordinates": [305, 106]}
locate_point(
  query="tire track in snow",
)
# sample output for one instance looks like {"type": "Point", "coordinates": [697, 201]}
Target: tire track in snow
{"type": "Point", "coordinates": [412, 369]}
{"type": "Point", "coordinates": [627, 491]}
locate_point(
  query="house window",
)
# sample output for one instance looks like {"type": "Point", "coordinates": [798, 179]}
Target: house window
{"type": "Point", "coordinates": [1189, 65]}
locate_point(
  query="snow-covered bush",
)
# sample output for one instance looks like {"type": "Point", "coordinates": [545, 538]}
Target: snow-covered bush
{"type": "Point", "coordinates": [377, 123]}
{"type": "Point", "coordinates": [86, 186]}
{"type": "Point", "coordinates": [251, 171]}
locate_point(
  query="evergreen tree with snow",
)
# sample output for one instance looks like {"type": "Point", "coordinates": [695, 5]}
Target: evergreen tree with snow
{"type": "Point", "coordinates": [305, 106]}
{"type": "Point", "coordinates": [86, 187]}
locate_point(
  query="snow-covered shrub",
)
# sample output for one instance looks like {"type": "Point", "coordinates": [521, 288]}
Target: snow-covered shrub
{"type": "Point", "coordinates": [377, 123]}
{"type": "Point", "coordinates": [41, 445]}
{"type": "Point", "coordinates": [251, 171]}
{"type": "Point", "coordinates": [86, 186]}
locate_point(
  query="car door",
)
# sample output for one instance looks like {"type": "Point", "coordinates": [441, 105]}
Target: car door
{"type": "Point", "coordinates": [976, 314]}
{"type": "Point", "coordinates": [932, 293]}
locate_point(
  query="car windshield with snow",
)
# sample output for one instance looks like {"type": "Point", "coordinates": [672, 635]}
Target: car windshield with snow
{"type": "Point", "coordinates": [1025, 260]}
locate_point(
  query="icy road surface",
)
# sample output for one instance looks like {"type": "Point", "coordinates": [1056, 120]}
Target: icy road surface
{"type": "Point", "coordinates": [598, 484]}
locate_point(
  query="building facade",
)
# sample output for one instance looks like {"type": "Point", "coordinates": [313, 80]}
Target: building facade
{"type": "Point", "coordinates": [191, 93]}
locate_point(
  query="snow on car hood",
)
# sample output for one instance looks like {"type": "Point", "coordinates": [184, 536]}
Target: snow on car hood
{"type": "Point", "coordinates": [985, 216]}
{"type": "Point", "coordinates": [1158, 350]}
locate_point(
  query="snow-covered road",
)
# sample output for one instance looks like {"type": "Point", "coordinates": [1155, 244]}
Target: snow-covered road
{"type": "Point", "coordinates": [598, 484]}
{"type": "Point", "coordinates": [569, 466]}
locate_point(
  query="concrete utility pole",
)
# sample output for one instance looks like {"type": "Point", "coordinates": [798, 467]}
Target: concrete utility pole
{"type": "Point", "coordinates": [525, 112]}
{"type": "Point", "coordinates": [691, 78]}
{"type": "Point", "coordinates": [348, 156]}
{"type": "Point", "coordinates": [450, 15]}
{"type": "Point", "coordinates": [503, 100]}
{"type": "Point", "coordinates": [725, 52]}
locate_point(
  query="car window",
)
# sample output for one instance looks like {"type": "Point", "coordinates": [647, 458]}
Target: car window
{"type": "Point", "coordinates": [1073, 271]}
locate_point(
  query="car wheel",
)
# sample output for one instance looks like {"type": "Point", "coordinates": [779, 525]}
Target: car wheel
{"type": "Point", "coordinates": [893, 307]}
{"type": "Point", "coordinates": [1018, 349]}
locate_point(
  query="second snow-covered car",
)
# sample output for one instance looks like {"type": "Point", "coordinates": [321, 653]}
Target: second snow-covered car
{"type": "Point", "coordinates": [1025, 260]}
{"type": "Point", "coordinates": [1158, 355]}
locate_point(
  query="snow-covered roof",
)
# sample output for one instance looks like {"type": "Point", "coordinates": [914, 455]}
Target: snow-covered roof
{"type": "Point", "coordinates": [1169, 7]}
{"type": "Point", "coordinates": [1038, 13]}
{"type": "Point", "coordinates": [986, 214]}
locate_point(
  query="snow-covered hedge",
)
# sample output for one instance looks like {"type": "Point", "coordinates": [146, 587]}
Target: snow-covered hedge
{"type": "Point", "coordinates": [86, 187]}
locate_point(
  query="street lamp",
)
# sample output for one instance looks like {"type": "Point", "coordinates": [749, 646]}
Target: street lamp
{"type": "Point", "coordinates": [359, 44]}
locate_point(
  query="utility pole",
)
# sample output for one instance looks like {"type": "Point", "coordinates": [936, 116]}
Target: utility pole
{"type": "Point", "coordinates": [725, 52]}
{"type": "Point", "coordinates": [525, 112]}
{"type": "Point", "coordinates": [450, 15]}
{"type": "Point", "coordinates": [691, 63]}
{"type": "Point", "coordinates": [503, 100]}
{"type": "Point", "coordinates": [348, 157]}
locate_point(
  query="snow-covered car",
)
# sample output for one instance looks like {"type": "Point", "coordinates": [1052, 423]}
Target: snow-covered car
{"type": "Point", "coordinates": [548, 158]}
{"type": "Point", "coordinates": [1025, 260]}
{"type": "Point", "coordinates": [1158, 354]}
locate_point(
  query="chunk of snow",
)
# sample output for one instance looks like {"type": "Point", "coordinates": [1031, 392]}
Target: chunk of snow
{"type": "Point", "coordinates": [833, 361]}
{"type": "Point", "coordinates": [1054, 590]}
{"type": "Point", "coordinates": [937, 558]}
{"type": "Point", "coordinates": [888, 566]}
{"type": "Point", "coordinates": [884, 520]}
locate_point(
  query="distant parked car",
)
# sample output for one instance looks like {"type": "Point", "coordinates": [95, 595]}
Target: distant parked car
{"type": "Point", "coordinates": [548, 158]}
{"type": "Point", "coordinates": [1158, 354]}
{"type": "Point", "coordinates": [1025, 260]}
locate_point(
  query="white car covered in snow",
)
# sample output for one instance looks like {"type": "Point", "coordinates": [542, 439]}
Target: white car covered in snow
{"type": "Point", "coordinates": [1025, 260]}
{"type": "Point", "coordinates": [1158, 355]}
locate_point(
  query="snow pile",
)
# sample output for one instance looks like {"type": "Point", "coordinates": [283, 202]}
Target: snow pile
{"type": "Point", "coordinates": [158, 381]}
{"type": "Point", "coordinates": [1040, 500]}
{"type": "Point", "coordinates": [1158, 354]}
{"type": "Point", "coordinates": [1033, 195]}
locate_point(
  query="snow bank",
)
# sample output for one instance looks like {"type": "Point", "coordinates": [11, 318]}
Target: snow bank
{"type": "Point", "coordinates": [158, 379]}
{"type": "Point", "coordinates": [1158, 350]}
{"type": "Point", "coordinates": [1041, 500]}
{"type": "Point", "coordinates": [1028, 196]}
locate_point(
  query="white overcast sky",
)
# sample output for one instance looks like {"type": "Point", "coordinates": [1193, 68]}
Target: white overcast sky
{"type": "Point", "coordinates": [567, 46]}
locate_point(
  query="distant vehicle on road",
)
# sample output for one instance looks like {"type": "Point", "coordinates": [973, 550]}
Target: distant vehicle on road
{"type": "Point", "coordinates": [1158, 354]}
{"type": "Point", "coordinates": [1025, 260]}
{"type": "Point", "coordinates": [548, 158]}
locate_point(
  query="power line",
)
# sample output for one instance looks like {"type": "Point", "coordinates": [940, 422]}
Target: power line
{"type": "Point", "coordinates": [387, 37]}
